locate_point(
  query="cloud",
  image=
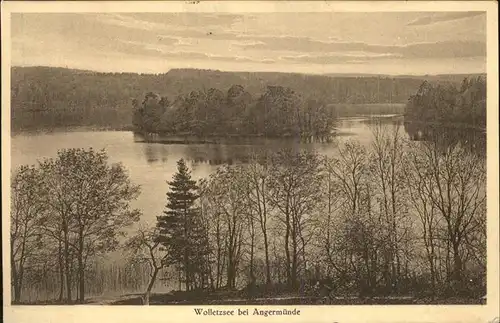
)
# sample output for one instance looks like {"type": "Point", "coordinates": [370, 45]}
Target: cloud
{"type": "Point", "coordinates": [185, 19]}
{"type": "Point", "coordinates": [246, 42]}
{"type": "Point", "coordinates": [433, 19]}
{"type": "Point", "coordinates": [202, 28]}
{"type": "Point", "coordinates": [444, 49]}
{"type": "Point", "coordinates": [79, 32]}
{"type": "Point", "coordinates": [303, 44]}
{"type": "Point", "coordinates": [338, 58]}
{"type": "Point", "coordinates": [263, 41]}
{"type": "Point", "coordinates": [183, 24]}
{"type": "Point", "coordinates": [207, 33]}
{"type": "Point", "coordinates": [203, 56]}
{"type": "Point", "coordinates": [129, 22]}
{"type": "Point", "coordinates": [139, 49]}
{"type": "Point", "coordinates": [159, 41]}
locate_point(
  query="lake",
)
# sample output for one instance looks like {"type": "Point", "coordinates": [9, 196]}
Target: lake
{"type": "Point", "coordinates": [151, 165]}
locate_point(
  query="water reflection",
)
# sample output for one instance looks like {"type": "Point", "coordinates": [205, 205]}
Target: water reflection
{"type": "Point", "coordinates": [473, 139]}
{"type": "Point", "coordinates": [246, 149]}
{"type": "Point", "coordinates": [218, 154]}
{"type": "Point", "coordinates": [152, 165]}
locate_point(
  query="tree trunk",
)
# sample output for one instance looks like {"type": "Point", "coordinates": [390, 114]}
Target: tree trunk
{"type": "Point", "coordinates": [386, 273]}
{"type": "Point", "coordinates": [180, 279]}
{"type": "Point", "coordinates": [287, 246]}
{"type": "Point", "coordinates": [60, 259]}
{"type": "Point", "coordinates": [150, 287]}
{"type": "Point", "coordinates": [287, 254]}
{"type": "Point", "coordinates": [236, 258]}
{"type": "Point", "coordinates": [263, 220]}
{"type": "Point", "coordinates": [230, 272]}
{"type": "Point", "coordinates": [186, 250]}
{"type": "Point", "coordinates": [17, 287]}
{"type": "Point", "coordinates": [67, 265]}
{"type": "Point", "coordinates": [15, 278]}
{"type": "Point", "coordinates": [81, 269]}
{"type": "Point", "coordinates": [252, 247]}
{"type": "Point", "coordinates": [457, 263]}
{"type": "Point", "coordinates": [252, 277]}
{"type": "Point", "coordinates": [304, 258]}
{"type": "Point", "coordinates": [186, 270]}
{"type": "Point", "coordinates": [20, 269]}
{"type": "Point", "coordinates": [294, 259]}
{"type": "Point", "coordinates": [268, 265]}
{"type": "Point", "coordinates": [432, 261]}
{"type": "Point", "coordinates": [219, 256]}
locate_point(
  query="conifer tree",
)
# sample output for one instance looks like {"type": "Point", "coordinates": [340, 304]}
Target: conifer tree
{"type": "Point", "coordinates": [177, 224]}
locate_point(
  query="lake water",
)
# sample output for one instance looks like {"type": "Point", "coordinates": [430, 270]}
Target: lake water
{"type": "Point", "coordinates": [151, 165]}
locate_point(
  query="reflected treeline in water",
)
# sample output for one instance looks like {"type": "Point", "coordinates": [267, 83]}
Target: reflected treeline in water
{"type": "Point", "coordinates": [396, 120]}
{"type": "Point", "coordinates": [219, 154]}
{"type": "Point", "coordinates": [248, 149]}
{"type": "Point", "coordinates": [155, 153]}
{"type": "Point", "coordinates": [472, 139]}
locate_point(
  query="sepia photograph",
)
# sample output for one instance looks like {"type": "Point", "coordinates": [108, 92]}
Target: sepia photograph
{"type": "Point", "coordinates": [273, 158]}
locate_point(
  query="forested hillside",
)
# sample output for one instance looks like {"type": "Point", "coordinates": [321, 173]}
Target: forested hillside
{"type": "Point", "coordinates": [49, 98]}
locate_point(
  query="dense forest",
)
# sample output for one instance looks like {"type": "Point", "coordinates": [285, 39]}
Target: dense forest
{"type": "Point", "coordinates": [45, 98]}
{"type": "Point", "coordinates": [282, 112]}
{"type": "Point", "coordinates": [447, 104]}
{"type": "Point", "coordinates": [449, 113]}
{"type": "Point", "coordinates": [279, 112]}
{"type": "Point", "coordinates": [396, 217]}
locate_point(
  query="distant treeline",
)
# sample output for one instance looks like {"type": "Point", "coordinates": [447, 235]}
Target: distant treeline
{"type": "Point", "coordinates": [48, 98]}
{"type": "Point", "coordinates": [279, 112]}
{"type": "Point", "coordinates": [282, 112]}
{"type": "Point", "coordinates": [447, 104]}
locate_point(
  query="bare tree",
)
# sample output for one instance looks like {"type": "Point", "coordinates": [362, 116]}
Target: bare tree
{"type": "Point", "coordinates": [89, 203]}
{"type": "Point", "coordinates": [258, 191]}
{"type": "Point", "coordinates": [226, 193]}
{"type": "Point", "coordinates": [421, 201]}
{"type": "Point", "coordinates": [386, 165]}
{"type": "Point", "coordinates": [27, 209]}
{"type": "Point", "coordinates": [454, 180]}
{"type": "Point", "coordinates": [216, 233]}
{"type": "Point", "coordinates": [294, 179]}
{"type": "Point", "coordinates": [144, 248]}
{"type": "Point", "coordinates": [57, 225]}
{"type": "Point", "coordinates": [350, 172]}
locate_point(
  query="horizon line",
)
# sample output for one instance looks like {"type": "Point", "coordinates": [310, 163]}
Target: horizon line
{"type": "Point", "coordinates": [244, 71]}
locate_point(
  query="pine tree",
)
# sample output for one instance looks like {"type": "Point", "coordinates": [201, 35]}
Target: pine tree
{"type": "Point", "coordinates": [177, 224]}
{"type": "Point", "coordinates": [200, 268]}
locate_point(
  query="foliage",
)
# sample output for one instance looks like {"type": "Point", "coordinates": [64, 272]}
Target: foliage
{"type": "Point", "coordinates": [181, 230]}
{"type": "Point", "coordinates": [353, 221]}
{"type": "Point", "coordinates": [49, 98]}
{"type": "Point", "coordinates": [391, 218]}
{"type": "Point", "coordinates": [82, 208]}
{"type": "Point", "coordinates": [278, 112]}
{"type": "Point", "coordinates": [27, 211]}
{"type": "Point", "coordinates": [446, 104]}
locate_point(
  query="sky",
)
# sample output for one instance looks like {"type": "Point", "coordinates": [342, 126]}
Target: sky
{"type": "Point", "coordinates": [395, 43]}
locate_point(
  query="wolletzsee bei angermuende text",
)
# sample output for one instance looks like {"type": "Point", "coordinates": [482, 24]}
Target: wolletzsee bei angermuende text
{"type": "Point", "coordinates": [256, 311]}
